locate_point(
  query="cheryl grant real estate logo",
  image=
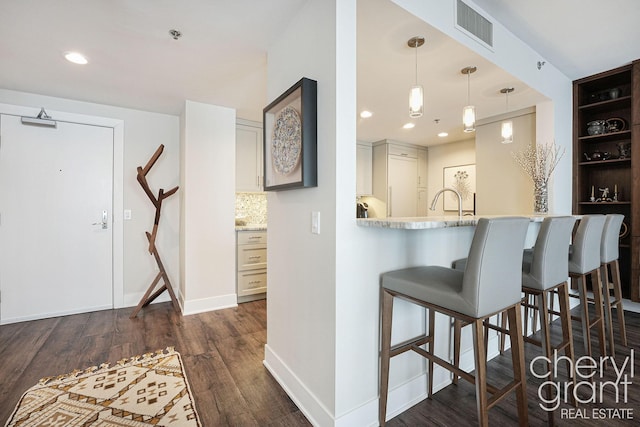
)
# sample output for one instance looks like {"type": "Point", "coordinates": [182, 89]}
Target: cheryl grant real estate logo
{"type": "Point", "coordinates": [590, 386]}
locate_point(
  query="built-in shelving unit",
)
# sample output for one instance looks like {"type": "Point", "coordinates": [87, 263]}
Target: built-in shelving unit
{"type": "Point", "coordinates": [608, 156]}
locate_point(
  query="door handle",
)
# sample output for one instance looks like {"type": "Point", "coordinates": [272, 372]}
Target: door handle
{"type": "Point", "coordinates": [104, 222]}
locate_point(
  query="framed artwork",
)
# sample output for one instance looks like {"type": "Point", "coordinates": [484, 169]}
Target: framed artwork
{"type": "Point", "coordinates": [462, 179]}
{"type": "Point", "coordinates": [290, 134]}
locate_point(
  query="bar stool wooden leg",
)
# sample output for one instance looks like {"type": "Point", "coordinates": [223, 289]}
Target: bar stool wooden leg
{"type": "Point", "coordinates": [481, 373]}
{"type": "Point", "coordinates": [596, 281]}
{"type": "Point", "coordinates": [517, 358]}
{"type": "Point", "coordinates": [617, 294]}
{"type": "Point", "coordinates": [432, 321]}
{"type": "Point", "coordinates": [457, 328]}
{"type": "Point", "coordinates": [503, 336]}
{"type": "Point", "coordinates": [385, 354]}
{"type": "Point", "coordinates": [584, 318]}
{"type": "Point", "coordinates": [567, 336]}
{"type": "Point", "coordinates": [543, 310]}
{"type": "Point", "coordinates": [534, 319]}
{"type": "Point", "coordinates": [606, 300]}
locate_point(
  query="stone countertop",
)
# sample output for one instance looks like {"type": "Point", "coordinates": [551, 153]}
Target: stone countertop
{"type": "Point", "coordinates": [252, 227]}
{"type": "Point", "coordinates": [427, 222]}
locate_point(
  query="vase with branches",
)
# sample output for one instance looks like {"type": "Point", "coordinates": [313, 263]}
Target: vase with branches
{"type": "Point", "coordinates": [539, 161]}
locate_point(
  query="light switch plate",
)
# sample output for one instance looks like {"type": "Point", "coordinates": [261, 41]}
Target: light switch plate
{"type": "Point", "coordinates": [127, 214]}
{"type": "Point", "coordinates": [315, 222]}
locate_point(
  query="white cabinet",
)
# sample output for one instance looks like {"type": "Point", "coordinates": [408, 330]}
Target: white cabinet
{"type": "Point", "coordinates": [403, 185]}
{"type": "Point", "coordinates": [422, 181]}
{"type": "Point", "coordinates": [395, 177]}
{"type": "Point", "coordinates": [249, 163]}
{"type": "Point", "coordinates": [422, 167]}
{"type": "Point", "coordinates": [251, 263]}
{"type": "Point", "coordinates": [364, 158]}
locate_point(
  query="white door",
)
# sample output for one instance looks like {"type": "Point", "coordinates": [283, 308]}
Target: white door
{"type": "Point", "coordinates": [55, 194]}
{"type": "Point", "coordinates": [403, 186]}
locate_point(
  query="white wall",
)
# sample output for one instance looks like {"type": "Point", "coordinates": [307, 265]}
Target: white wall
{"type": "Point", "coordinates": [440, 157]}
{"type": "Point", "coordinates": [143, 133]}
{"type": "Point", "coordinates": [502, 187]}
{"type": "Point", "coordinates": [301, 315]}
{"type": "Point", "coordinates": [207, 243]}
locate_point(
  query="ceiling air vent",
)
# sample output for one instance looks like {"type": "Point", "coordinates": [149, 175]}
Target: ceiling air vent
{"type": "Point", "coordinates": [474, 24]}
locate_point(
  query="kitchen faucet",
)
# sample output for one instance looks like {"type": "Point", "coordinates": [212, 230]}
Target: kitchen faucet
{"type": "Point", "coordinates": [435, 199]}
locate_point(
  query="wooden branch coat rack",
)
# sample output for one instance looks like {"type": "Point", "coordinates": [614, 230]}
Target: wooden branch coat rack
{"type": "Point", "coordinates": [151, 237]}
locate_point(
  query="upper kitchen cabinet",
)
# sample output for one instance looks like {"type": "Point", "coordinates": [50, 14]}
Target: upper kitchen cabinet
{"type": "Point", "coordinates": [249, 175]}
{"type": "Point", "coordinates": [364, 177]}
{"type": "Point", "coordinates": [395, 177]}
{"type": "Point", "coordinates": [606, 158]}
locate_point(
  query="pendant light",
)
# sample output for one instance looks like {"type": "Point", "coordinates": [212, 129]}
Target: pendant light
{"type": "Point", "coordinates": [507, 125]}
{"type": "Point", "coordinates": [416, 94]}
{"type": "Point", "coordinates": [469, 112]}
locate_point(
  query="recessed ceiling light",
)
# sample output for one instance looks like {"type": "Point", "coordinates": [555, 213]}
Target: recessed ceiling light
{"type": "Point", "coordinates": [366, 114]}
{"type": "Point", "coordinates": [76, 58]}
{"type": "Point", "coordinates": [409, 126]}
{"type": "Point", "coordinates": [443, 134]}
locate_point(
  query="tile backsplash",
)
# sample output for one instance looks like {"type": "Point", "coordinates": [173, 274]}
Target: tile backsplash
{"type": "Point", "coordinates": [252, 206]}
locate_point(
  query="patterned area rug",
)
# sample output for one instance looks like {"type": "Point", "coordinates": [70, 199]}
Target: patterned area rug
{"type": "Point", "coordinates": [141, 391]}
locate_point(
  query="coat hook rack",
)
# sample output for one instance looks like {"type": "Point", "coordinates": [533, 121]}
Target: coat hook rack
{"type": "Point", "coordinates": [151, 237]}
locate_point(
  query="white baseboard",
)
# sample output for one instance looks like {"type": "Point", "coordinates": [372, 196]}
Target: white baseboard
{"type": "Point", "coordinates": [400, 398]}
{"type": "Point", "coordinates": [305, 400]}
{"type": "Point", "coordinates": [52, 314]}
{"type": "Point", "coordinates": [208, 304]}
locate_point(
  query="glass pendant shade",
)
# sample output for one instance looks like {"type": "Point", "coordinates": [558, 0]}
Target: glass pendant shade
{"type": "Point", "coordinates": [416, 101]}
{"type": "Point", "coordinates": [469, 118]}
{"type": "Point", "coordinates": [507, 125]}
{"type": "Point", "coordinates": [469, 112]}
{"type": "Point", "coordinates": [507, 132]}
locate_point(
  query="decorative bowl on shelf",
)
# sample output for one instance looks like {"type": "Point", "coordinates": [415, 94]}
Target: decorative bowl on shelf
{"type": "Point", "coordinates": [615, 124]}
{"type": "Point", "coordinates": [596, 127]}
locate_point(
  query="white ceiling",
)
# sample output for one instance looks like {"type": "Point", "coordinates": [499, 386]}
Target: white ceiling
{"type": "Point", "coordinates": [221, 58]}
{"type": "Point", "coordinates": [579, 37]}
{"type": "Point", "coordinates": [134, 62]}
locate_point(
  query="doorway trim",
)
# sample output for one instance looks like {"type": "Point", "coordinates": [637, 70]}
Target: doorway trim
{"type": "Point", "coordinates": [118, 181]}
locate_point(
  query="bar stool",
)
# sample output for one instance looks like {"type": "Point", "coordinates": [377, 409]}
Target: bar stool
{"type": "Point", "coordinates": [609, 263]}
{"type": "Point", "coordinates": [584, 259]}
{"type": "Point", "coordinates": [489, 285]}
{"type": "Point", "coordinates": [544, 271]}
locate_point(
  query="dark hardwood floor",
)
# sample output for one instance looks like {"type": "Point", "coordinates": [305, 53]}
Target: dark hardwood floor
{"type": "Point", "coordinates": [223, 352]}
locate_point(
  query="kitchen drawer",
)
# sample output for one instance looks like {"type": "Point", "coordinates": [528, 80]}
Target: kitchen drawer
{"type": "Point", "coordinates": [252, 282]}
{"type": "Point", "coordinates": [401, 150]}
{"type": "Point", "coordinates": [251, 257]}
{"type": "Point", "coordinates": [252, 237]}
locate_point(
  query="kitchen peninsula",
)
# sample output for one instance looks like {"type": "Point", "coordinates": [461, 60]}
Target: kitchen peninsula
{"type": "Point", "coordinates": [414, 241]}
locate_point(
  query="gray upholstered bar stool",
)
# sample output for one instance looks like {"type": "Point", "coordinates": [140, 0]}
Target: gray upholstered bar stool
{"type": "Point", "coordinates": [490, 284]}
{"type": "Point", "coordinates": [609, 254]}
{"type": "Point", "coordinates": [584, 259]}
{"type": "Point", "coordinates": [544, 271]}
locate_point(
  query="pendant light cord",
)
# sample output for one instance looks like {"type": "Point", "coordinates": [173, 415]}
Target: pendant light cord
{"type": "Point", "coordinates": [416, 49]}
